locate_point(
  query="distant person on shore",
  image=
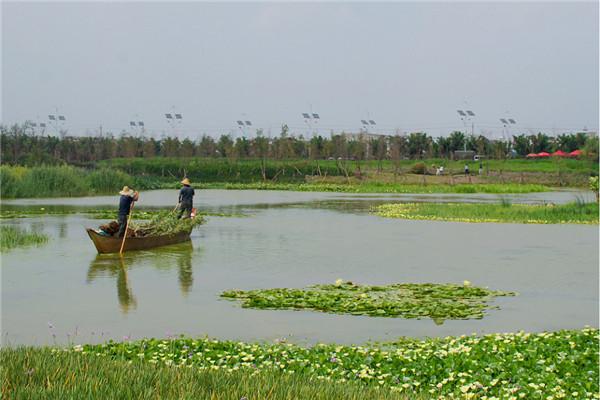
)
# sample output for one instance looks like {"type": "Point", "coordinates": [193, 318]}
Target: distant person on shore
{"type": "Point", "coordinates": [128, 197]}
{"type": "Point", "coordinates": [480, 168]}
{"type": "Point", "coordinates": [186, 199]}
{"type": "Point", "coordinates": [466, 169]}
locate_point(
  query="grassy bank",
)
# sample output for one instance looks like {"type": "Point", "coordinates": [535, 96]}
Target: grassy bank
{"type": "Point", "coordinates": [12, 237]}
{"type": "Point", "coordinates": [55, 181]}
{"type": "Point", "coordinates": [572, 213]}
{"type": "Point", "coordinates": [217, 170]}
{"type": "Point", "coordinates": [34, 373]}
{"type": "Point", "coordinates": [553, 365]}
{"type": "Point", "coordinates": [405, 300]}
{"type": "Point", "coordinates": [379, 187]}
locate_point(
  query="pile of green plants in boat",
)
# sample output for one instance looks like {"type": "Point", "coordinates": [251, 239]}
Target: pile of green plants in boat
{"type": "Point", "coordinates": [12, 237]}
{"type": "Point", "coordinates": [571, 213]}
{"type": "Point", "coordinates": [165, 223]}
{"type": "Point", "coordinates": [405, 300]}
{"type": "Point", "coordinates": [162, 223]}
{"type": "Point", "coordinates": [548, 365]}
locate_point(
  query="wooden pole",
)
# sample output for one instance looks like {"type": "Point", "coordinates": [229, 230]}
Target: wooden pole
{"type": "Point", "coordinates": [127, 227]}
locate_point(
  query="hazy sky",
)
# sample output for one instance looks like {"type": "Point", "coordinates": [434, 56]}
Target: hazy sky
{"type": "Point", "coordinates": [407, 65]}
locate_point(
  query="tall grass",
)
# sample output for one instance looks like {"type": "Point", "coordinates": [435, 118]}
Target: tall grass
{"type": "Point", "coordinates": [52, 181]}
{"type": "Point", "coordinates": [64, 180]}
{"type": "Point", "coordinates": [12, 237]}
{"type": "Point", "coordinates": [40, 373]}
{"type": "Point", "coordinates": [573, 213]}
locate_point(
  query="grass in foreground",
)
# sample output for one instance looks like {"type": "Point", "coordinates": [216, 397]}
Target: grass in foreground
{"type": "Point", "coordinates": [572, 213]}
{"type": "Point", "coordinates": [12, 237]}
{"type": "Point", "coordinates": [42, 373]}
{"type": "Point", "coordinates": [407, 300]}
{"type": "Point", "coordinates": [549, 365]}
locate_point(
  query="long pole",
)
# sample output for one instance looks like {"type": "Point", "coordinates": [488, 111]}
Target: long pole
{"type": "Point", "coordinates": [126, 228]}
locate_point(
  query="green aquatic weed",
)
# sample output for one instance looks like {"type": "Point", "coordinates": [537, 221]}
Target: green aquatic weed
{"type": "Point", "coordinates": [405, 300]}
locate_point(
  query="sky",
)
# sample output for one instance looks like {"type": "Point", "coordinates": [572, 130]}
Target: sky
{"type": "Point", "coordinates": [409, 66]}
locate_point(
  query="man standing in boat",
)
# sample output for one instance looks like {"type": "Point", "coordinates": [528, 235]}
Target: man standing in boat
{"type": "Point", "coordinates": [186, 199]}
{"type": "Point", "coordinates": [128, 197]}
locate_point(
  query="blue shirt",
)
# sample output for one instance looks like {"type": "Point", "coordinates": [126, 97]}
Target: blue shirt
{"type": "Point", "coordinates": [125, 204]}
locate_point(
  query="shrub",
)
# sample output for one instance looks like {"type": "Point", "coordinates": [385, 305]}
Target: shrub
{"type": "Point", "coordinates": [418, 168]}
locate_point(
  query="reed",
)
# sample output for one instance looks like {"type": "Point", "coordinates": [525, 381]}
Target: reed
{"type": "Point", "coordinates": [41, 373]}
{"type": "Point", "coordinates": [12, 237]}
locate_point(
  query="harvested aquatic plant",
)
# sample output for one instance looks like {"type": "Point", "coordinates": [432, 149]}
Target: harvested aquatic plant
{"type": "Point", "coordinates": [405, 300]}
{"type": "Point", "coordinates": [165, 223]}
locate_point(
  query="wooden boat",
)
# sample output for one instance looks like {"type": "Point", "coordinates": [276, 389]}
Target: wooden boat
{"type": "Point", "coordinates": [109, 244]}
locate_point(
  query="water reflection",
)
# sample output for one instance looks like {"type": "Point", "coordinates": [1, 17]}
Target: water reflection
{"type": "Point", "coordinates": [166, 258]}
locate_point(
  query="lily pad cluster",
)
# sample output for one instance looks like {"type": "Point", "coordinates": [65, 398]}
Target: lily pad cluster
{"type": "Point", "coordinates": [405, 300]}
{"type": "Point", "coordinates": [548, 365]}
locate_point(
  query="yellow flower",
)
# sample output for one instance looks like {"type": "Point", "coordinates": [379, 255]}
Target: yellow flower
{"type": "Point", "coordinates": [466, 283]}
{"type": "Point", "coordinates": [339, 282]}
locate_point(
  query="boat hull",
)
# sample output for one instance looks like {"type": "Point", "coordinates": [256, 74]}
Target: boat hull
{"type": "Point", "coordinates": [109, 244]}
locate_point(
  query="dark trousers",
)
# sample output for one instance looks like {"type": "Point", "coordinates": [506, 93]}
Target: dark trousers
{"type": "Point", "coordinates": [185, 211]}
{"type": "Point", "coordinates": [122, 224]}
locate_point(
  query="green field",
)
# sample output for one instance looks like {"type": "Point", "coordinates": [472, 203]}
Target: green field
{"type": "Point", "coordinates": [572, 213]}
{"type": "Point", "coordinates": [555, 365]}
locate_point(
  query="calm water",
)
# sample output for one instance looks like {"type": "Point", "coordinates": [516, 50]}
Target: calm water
{"type": "Point", "coordinates": [64, 291]}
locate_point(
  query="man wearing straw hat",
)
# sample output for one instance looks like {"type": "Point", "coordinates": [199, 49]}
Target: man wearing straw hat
{"type": "Point", "coordinates": [186, 199]}
{"type": "Point", "coordinates": [128, 197]}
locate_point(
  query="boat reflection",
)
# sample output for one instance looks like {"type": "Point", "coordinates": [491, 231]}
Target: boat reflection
{"type": "Point", "coordinates": [165, 258]}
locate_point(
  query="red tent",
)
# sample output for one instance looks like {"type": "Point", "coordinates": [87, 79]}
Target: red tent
{"type": "Point", "coordinates": [532, 155]}
{"type": "Point", "coordinates": [576, 153]}
{"type": "Point", "coordinates": [543, 154]}
{"type": "Point", "coordinates": [559, 153]}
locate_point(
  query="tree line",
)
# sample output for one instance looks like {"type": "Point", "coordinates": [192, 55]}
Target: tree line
{"type": "Point", "coordinates": [21, 147]}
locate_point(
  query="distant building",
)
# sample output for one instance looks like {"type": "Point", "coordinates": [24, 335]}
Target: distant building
{"type": "Point", "coordinates": [366, 138]}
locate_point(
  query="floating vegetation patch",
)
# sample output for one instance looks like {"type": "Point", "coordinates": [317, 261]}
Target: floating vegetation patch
{"type": "Point", "coordinates": [572, 213]}
{"type": "Point", "coordinates": [549, 365]}
{"type": "Point", "coordinates": [405, 300]}
{"type": "Point", "coordinates": [12, 237]}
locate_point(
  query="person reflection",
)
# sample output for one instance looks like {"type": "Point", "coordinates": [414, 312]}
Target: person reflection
{"type": "Point", "coordinates": [184, 262]}
{"type": "Point", "coordinates": [114, 266]}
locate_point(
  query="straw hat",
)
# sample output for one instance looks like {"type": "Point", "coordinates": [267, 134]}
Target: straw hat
{"type": "Point", "coordinates": [185, 181]}
{"type": "Point", "coordinates": [126, 191]}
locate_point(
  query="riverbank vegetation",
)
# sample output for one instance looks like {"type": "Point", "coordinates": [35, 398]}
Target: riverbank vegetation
{"type": "Point", "coordinates": [44, 373]}
{"type": "Point", "coordinates": [571, 213]}
{"type": "Point", "coordinates": [68, 181]}
{"type": "Point", "coordinates": [406, 300]}
{"type": "Point", "coordinates": [557, 365]}
{"type": "Point", "coordinates": [12, 237]}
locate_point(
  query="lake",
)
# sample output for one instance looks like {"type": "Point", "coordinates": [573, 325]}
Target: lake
{"type": "Point", "coordinates": [64, 292]}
